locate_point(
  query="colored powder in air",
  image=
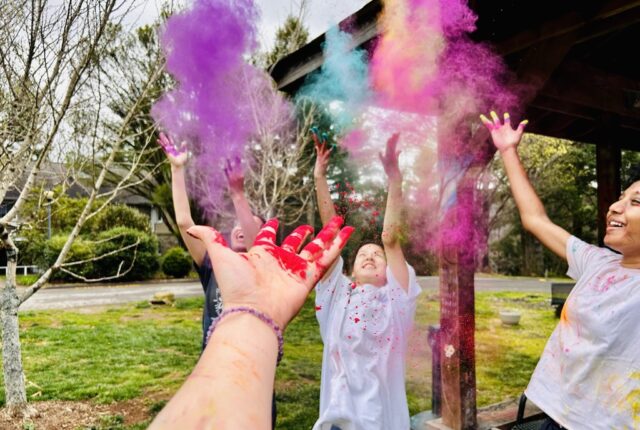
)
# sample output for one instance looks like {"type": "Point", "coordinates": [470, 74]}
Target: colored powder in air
{"type": "Point", "coordinates": [425, 62]}
{"type": "Point", "coordinates": [405, 62]}
{"type": "Point", "coordinates": [220, 103]}
{"type": "Point", "coordinates": [341, 86]}
{"type": "Point", "coordinates": [204, 48]}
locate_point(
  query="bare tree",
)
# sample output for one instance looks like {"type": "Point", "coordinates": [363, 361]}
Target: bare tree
{"type": "Point", "coordinates": [279, 181]}
{"type": "Point", "coordinates": [55, 86]}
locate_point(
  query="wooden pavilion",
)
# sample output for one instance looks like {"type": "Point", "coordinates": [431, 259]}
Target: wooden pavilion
{"type": "Point", "coordinates": [581, 58]}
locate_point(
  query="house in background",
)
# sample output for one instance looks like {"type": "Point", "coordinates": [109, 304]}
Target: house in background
{"type": "Point", "coordinates": [54, 174]}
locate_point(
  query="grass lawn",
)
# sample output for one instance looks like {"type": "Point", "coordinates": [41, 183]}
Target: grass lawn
{"type": "Point", "coordinates": [22, 280]}
{"type": "Point", "coordinates": [136, 351]}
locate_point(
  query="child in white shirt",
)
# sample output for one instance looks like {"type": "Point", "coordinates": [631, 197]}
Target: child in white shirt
{"type": "Point", "coordinates": [365, 324]}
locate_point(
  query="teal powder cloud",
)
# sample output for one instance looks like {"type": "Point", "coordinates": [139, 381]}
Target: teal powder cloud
{"type": "Point", "coordinates": [344, 77]}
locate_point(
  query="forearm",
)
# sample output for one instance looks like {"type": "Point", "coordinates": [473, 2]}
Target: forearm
{"type": "Point", "coordinates": [232, 384]}
{"type": "Point", "coordinates": [183, 214]}
{"type": "Point", "coordinates": [323, 195]}
{"type": "Point", "coordinates": [529, 204]}
{"type": "Point", "coordinates": [245, 217]}
{"type": "Point", "coordinates": [180, 198]}
{"type": "Point", "coordinates": [393, 212]}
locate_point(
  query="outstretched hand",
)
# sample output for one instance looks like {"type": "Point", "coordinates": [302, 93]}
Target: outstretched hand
{"type": "Point", "coordinates": [323, 153]}
{"type": "Point", "coordinates": [235, 176]}
{"type": "Point", "coordinates": [503, 136]}
{"type": "Point", "coordinates": [177, 156]}
{"type": "Point", "coordinates": [390, 157]}
{"type": "Point", "coordinates": [274, 280]}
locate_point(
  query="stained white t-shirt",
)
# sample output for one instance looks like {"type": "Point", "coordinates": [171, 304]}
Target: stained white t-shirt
{"type": "Point", "coordinates": [364, 330]}
{"type": "Point", "coordinates": [588, 376]}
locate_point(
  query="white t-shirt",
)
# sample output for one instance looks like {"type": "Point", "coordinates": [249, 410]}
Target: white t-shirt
{"type": "Point", "coordinates": [364, 331]}
{"type": "Point", "coordinates": [589, 374]}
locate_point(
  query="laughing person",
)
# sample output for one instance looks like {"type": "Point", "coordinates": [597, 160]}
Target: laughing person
{"type": "Point", "coordinates": [588, 376]}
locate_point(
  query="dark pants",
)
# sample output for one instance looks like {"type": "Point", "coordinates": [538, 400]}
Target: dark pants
{"type": "Point", "coordinates": [550, 424]}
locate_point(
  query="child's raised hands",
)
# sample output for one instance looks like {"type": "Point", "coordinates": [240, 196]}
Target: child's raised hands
{"type": "Point", "coordinates": [323, 153]}
{"type": "Point", "coordinates": [176, 156]}
{"type": "Point", "coordinates": [390, 157]}
{"type": "Point", "coordinates": [503, 136]}
{"type": "Point", "coordinates": [235, 175]}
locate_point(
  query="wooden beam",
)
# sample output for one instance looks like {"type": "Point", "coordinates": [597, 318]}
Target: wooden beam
{"type": "Point", "coordinates": [610, 17]}
{"type": "Point", "coordinates": [291, 70]}
{"type": "Point", "coordinates": [583, 85]}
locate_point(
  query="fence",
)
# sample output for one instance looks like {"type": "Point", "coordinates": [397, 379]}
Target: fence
{"type": "Point", "coordinates": [22, 270]}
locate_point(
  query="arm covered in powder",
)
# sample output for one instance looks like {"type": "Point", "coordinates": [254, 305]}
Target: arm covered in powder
{"type": "Point", "coordinates": [393, 214]}
{"type": "Point", "coordinates": [323, 195]}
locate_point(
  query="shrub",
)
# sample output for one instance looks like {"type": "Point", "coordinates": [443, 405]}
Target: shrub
{"type": "Point", "coordinates": [81, 249]}
{"type": "Point", "coordinates": [121, 216]}
{"type": "Point", "coordinates": [176, 262]}
{"type": "Point", "coordinates": [31, 245]}
{"type": "Point", "coordinates": [145, 253]}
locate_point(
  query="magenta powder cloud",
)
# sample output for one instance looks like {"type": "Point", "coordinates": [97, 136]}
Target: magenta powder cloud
{"type": "Point", "coordinates": [204, 48]}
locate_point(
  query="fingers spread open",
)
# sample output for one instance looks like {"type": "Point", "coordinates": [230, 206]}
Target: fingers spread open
{"type": "Point", "coordinates": [487, 122]}
{"type": "Point", "coordinates": [495, 118]}
{"type": "Point", "coordinates": [330, 254]}
{"type": "Point", "coordinates": [267, 234]}
{"type": "Point", "coordinates": [323, 240]}
{"type": "Point", "coordinates": [294, 241]}
{"type": "Point", "coordinates": [167, 145]}
{"type": "Point", "coordinates": [523, 124]}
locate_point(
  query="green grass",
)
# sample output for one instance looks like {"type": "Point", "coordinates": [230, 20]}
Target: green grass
{"type": "Point", "coordinates": [22, 280]}
{"type": "Point", "coordinates": [132, 351]}
{"type": "Point", "coordinates": [111, 355]}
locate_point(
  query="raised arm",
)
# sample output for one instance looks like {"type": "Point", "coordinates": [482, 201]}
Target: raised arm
{"type": "Point", "coordinates": [323, 195]}
{"type": "Point", "coordinates": [532, 213]}
{"type": "Point", "coordinates": [178, 159]}
{"type": "Point", "coordinates": [392, 214]}
{"type": "Point", "coordinates": [244, 214]}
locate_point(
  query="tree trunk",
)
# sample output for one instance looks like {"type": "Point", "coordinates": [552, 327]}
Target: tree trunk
{"type": "Point", "coordinates": [15, 391]}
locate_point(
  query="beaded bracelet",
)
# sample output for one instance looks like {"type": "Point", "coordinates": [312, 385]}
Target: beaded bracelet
{"type": "Point", "coordinates": [261, 316]}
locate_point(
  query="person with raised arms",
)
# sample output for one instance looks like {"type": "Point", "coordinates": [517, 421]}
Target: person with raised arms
{"type": "Point", "coordinates": [365, 323]}
{"type": "Point", "coordinates": [588, 376]}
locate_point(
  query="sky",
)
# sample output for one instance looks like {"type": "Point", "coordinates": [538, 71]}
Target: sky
{"type": "Point", "coordinates": [320, 15]}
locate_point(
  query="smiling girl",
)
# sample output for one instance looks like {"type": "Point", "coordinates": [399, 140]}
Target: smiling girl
{"type": "Point", "coordinates": [364, 324]}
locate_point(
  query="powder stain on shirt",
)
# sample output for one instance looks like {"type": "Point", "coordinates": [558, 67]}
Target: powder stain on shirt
{"type": "Point", "coordinates": [633, 399]}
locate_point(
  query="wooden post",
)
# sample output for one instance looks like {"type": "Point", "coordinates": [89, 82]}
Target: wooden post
{"type": "Point", "coordinates": [457, 311]}
{"type": "Point", "coordinates": [608, 162]}
{"type": "Point", "coordinates": [461, 159]}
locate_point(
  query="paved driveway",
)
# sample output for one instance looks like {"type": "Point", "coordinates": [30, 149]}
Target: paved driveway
{"type": "Point", "coordinates": [79, 297]}
{"type": "Point", "coordinates": [67, 298]}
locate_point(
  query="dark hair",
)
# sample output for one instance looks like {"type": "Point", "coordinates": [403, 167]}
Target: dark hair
{"type": "Point", "coordinates": [632, 175]}
{"type": "Point", "coordinates": [352, 259]}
